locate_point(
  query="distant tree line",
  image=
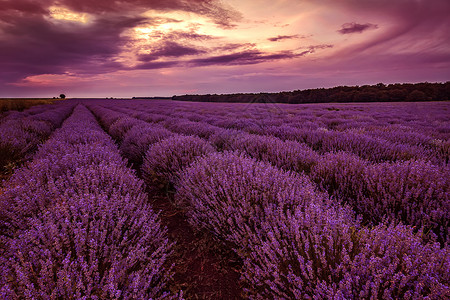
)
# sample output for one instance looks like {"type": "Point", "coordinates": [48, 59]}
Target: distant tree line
{"type": "Point", "coordinates": [367, 93]}
{"type": "Point", "coordinates": [151, 98]}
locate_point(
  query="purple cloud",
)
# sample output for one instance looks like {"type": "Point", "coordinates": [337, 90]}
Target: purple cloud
{"type": "Point", "coordinates": [155, 65]}
{"type": "Point", "coordinates": [235, 46]}
{"type": "Point", "coordinates": [245, 58]}
{"type": "Point", "coordinates": [223, 16]}
{"type": "Point", "coordinates": [238, 58]}
{"type": "Point", "coordinates": [170, 49]}
{"type": "Point", "coordinates": [284, 37]}
{"type": "Point", "coordinates": [353, 27]}
{"type": "Point", "coordinates": [313, 48]}
{"type": "Point", "coordinates": [33, 44]}
{"type": "Point", "coordinates": [188, 35]}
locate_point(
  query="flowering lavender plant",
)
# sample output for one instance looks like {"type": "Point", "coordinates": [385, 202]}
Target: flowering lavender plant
{"type": "Point", "coordinates": [76, 223]}
{"type": "Point", "coordinates": [165, 160]}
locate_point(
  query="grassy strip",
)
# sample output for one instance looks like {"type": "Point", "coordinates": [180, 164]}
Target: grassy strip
{"type": "Point", "coordinates": [21, 104]}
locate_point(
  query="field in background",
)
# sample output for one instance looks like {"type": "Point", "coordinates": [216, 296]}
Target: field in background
{"type": "Point", "coordinates": [20, 104]}
{"type": "Point", "coordinates": [168, 199]}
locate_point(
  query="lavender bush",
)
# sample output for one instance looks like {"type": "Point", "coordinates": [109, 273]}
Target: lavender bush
{"type": "Point", "coordinates": [21, 134]}
{"type": "Point", "coordinates": [287, 155]}
{"type": "Point", "coordinates": [165, 160]}
{"type": "Point", "coordinates": [341, 174]}
{"type": "Point", "coordinates": [228, 194]}
{"type": "Point", "coordinates": [314, 253]}
{"type": "Point", "coordinates": [121, 126]}
{"type": "Point", "coordinates": [413, 192]}
{"type": "Point", "coordinates": [139, 138]}
{"type": "Point", "coordinates": [186, 127]}
{"type": "Point", "coordinates": [134, 135]}
{"type": "Point", "coordinates": [75, 223]}
{"type": "Point", "coordinates": [297, 245]}
{"type": "Point", "coordinates": [91, 246]}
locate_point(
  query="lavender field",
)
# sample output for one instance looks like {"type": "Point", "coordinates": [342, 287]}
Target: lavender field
{"type": "Point", "coordinates": [160, 199]}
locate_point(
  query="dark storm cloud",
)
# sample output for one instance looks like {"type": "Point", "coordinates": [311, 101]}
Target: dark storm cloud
{"type": "Point", "coordinates": [170, 49]}
{"type": "Point", "coordinates": [33, 44]}
{"type": "Point", "coordinates": [155, 65]}
{"type": "Point", "coordinates": [236, 58]}
{"type": "Point", "coordinates": [353, 27]}
{"type": "Point", "coordinates": [284, 37]}
{"type": "Point", "coordinates": [211, 8]}
{"type": "Point", "coordinates": [245, 58]}
{"type": "Point", "coordinates": [23, 6]}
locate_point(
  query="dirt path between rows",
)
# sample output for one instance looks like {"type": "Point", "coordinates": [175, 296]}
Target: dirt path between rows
{"type": "Point", "coordinates": [202, 269]}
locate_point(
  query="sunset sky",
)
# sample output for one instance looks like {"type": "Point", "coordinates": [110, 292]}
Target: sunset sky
{"type": "Point", "coordinates": [107, 48]}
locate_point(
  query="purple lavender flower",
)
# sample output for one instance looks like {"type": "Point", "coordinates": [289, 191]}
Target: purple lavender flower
{"type": "Point", "coordinates": [165, 160]}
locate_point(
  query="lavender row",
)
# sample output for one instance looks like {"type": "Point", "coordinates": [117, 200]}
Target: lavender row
{"type": "Point", "coordinates": [430, 122]}
{"type": "Point", "coordinates": [288, 155]}
{"type": "Point", "coordinates": [76, 223]}
{"type": "Point", "coordinates": [235, 221]}
{"type": "Point", "coordinates": [163, 154]}
{"type": "Point", "coordinates": [377, 148]}
{"type": "Point", "coordinates": [388, 190]}
{"type": "Point", "coordinates": [419, 200]}
{"type": "Point", "coordinates": [368, 147]}
{"type": "Point", "coordinates": [427, 118]}
{"type": "Point", "coordinates": [22, 134]}
{"type": "Point", "coordinates": [13, 114]}
{"type": "Point", "coordinates": [133, 135]}
{"type": "Point", "coordinates": [295, 244]}
{"type": "Point", "coordinates": [245, 203]}
{"type": "Point", "coordinates": [412, 192]}
{"type": "Point", "coordinates": [416, 193]}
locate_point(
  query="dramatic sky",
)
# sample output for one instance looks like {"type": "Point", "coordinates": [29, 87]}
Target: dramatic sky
{"type": "Point", "coordinates": [120, 48]}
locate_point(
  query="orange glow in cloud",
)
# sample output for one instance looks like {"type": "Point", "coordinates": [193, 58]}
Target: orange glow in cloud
{"type": "Point", "coordinates": [64, 14]}
{"type": "Point", "coordinates": [54, 80]}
